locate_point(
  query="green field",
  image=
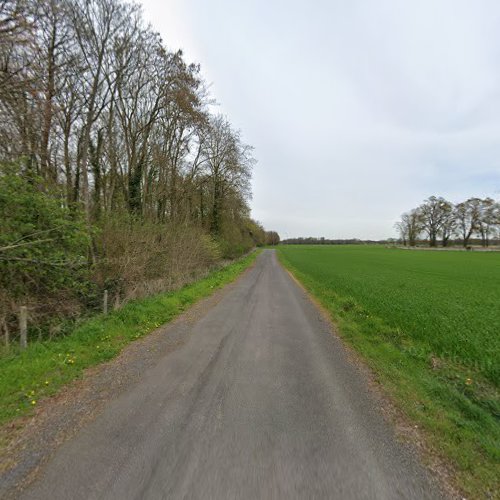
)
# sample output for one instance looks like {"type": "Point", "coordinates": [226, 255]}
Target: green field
{"type": "Point", "coordinates": [428, 323]}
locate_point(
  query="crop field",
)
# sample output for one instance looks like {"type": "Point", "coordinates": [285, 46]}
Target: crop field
{"type": "Point", "coordinates": [428, 323]}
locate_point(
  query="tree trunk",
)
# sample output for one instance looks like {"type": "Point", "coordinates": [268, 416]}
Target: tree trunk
{"type": "Point", "coordinates": [48, 109]}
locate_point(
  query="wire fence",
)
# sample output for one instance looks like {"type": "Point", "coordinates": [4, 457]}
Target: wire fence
{"type": "Point", "coordinates": [34, 321]}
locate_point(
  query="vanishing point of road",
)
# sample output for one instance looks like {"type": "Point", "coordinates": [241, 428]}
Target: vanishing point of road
{"type": "Point", "coordinates": [261, 402]}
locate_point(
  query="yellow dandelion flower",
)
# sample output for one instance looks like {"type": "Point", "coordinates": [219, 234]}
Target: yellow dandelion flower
{"type": "Point", "coordinates": [33, 402]}
{"type": "Point", "coordinates": [468, 381]}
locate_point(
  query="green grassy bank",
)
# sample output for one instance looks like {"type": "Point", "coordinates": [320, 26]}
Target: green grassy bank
{"type": "Point", "coordinates": [44, 367]}
{"type": "Point", "coordinates": [428, 323]}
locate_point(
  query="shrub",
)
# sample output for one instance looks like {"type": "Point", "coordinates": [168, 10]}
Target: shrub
{"type": "Point", "coordinates": [43, 244]}
{"type": "Point", "coordinates": [138, 258]}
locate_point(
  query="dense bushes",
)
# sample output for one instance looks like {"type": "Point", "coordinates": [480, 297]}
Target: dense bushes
{"type": "Point", "coordinates": [137, 258]}
{"type": "Point", "coordinates": [43, 247]}
{"type": "Point", "coordinates": [58, 265]}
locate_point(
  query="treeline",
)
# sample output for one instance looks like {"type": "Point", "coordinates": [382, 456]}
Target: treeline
{"type": "Point", "coordinates": [325, 241]}
{"type": "Point", "coordinates": [114, 171]}
{"type": "Point", "coordinates": [438, 221]}
{"type": "Point", "coordinates": [272, 238]}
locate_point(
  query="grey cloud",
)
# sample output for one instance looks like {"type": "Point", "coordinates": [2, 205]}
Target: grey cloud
{"type": "Point", "coordinates": [357, 110]}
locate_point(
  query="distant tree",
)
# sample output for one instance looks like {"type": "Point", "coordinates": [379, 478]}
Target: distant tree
{"type": "Point", "coordinates": [325, 241]}
{"type": "Point", "coordinates": [434, 213]}
{"type": "Point", "coordinates": [256, 232]}
{"type": "Point", "coordinates": [449, 224]}
{"type": "Point", "coordinates": [440, 218]}
{"type": "Point", "coordinates": [409, 227]}
{"type": "Point", "coordinates": [467, 215]}
{"type": "Point", "coordinates": [272, 238]}
{"type": "Point", "coordinates": [488, 219]}
{"type": "Point", "coordinates": [401, 229]}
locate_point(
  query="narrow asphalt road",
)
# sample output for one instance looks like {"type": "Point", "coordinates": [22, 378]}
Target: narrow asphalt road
{"type": "Point", "coordinates": [260, 403]}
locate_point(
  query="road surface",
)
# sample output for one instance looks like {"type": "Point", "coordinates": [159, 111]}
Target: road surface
{"type": "Point", "coordinates": [260, 403]}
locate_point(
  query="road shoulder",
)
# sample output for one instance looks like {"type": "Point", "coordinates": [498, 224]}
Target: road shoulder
{"type": "Point", "coordinates": [29, 442]}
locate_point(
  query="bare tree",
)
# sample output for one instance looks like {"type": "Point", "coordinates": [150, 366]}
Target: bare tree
{"type": "Point", "coordinates": [229, 163]}
{"type": "Point", "coordinates": [272, 238]}
{"type": "Point", "coordinates": [434, 212]}
{"type": "Point", "coordinates": [489, 216]}
{"type": "Point", "coordinates": [410, 227]}
{"type": "Point", "coordinates": [96, 23]}
{"type": "Point", "coordinates": [467, 216]}
{"type": "Point", "coordinates": [53, 37]}
{"type": "Point", "coordinates": [449, 224]}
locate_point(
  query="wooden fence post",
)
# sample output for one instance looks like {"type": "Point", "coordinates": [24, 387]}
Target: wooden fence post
{"type": "Point", "coordinates": [23, 326]}
{"type": "Point", "coordinates": [105, 302]}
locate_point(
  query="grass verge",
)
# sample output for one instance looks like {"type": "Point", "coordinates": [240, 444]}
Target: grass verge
{"type": "Point", "coordinates": [455, 406]}
{"type": "Point", "coordinates": [44, 367]}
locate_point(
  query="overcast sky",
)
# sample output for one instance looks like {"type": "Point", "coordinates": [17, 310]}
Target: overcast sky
{"type": "Point", "coordinates": [358, 110]}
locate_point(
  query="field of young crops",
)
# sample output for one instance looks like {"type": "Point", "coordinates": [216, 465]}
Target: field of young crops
{"type": "Point", "coordinates": [428, 322]}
